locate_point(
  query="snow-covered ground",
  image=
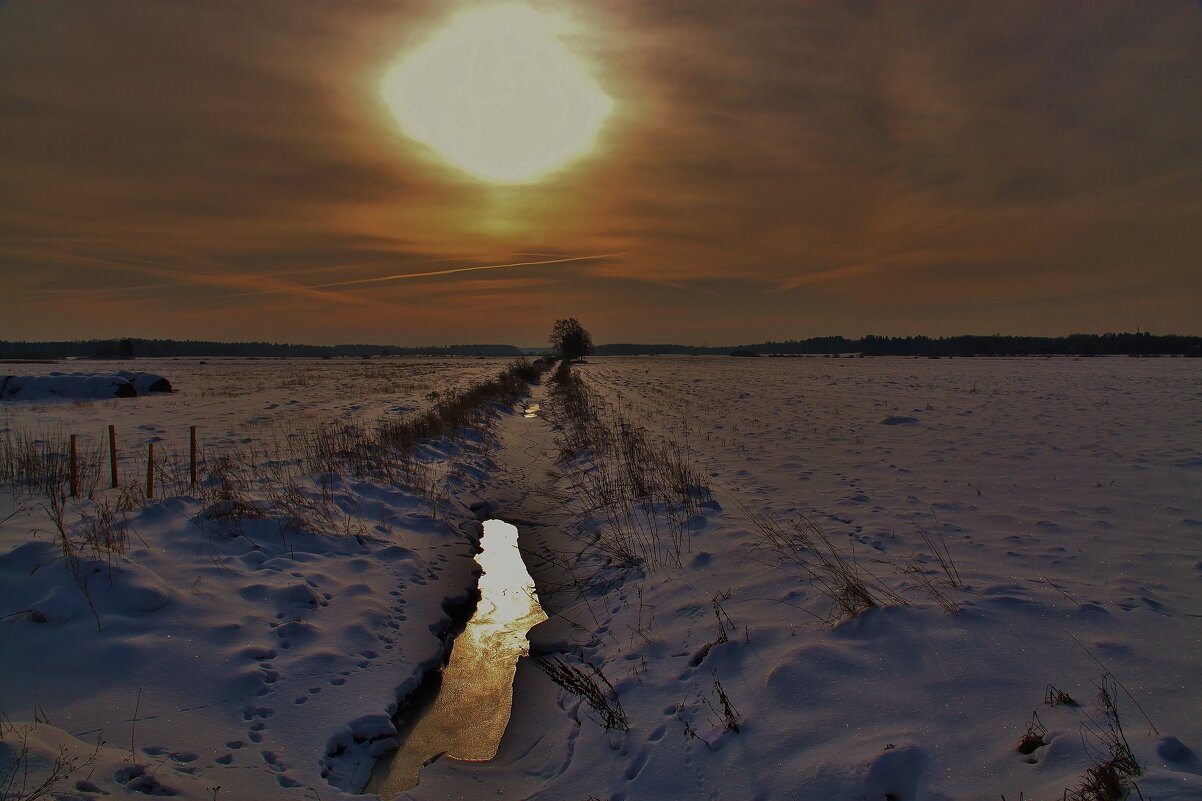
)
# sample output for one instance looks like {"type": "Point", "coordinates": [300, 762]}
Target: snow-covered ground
{"type": "Point", "coordinates": [237, 401]}
{"type": "Point", "coordinates": [234, 651]}
{"type": "Point", "coordinates": [1068, 495]}
{"type": "Point", "coordinates": [1067, 492]}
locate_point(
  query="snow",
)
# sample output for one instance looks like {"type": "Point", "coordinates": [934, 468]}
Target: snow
{"type": "Point", "coordinates": [257, 658]}
{"type": "Point", "coordinates": [271, 654]}
{"type": "Point", "coordinates": [78, 385]}
{"type": "Point", "coordinates": [1063, 488]}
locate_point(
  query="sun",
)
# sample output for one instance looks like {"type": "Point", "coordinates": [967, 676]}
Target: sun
{"type": "Point", "coordinates": [497, 94]}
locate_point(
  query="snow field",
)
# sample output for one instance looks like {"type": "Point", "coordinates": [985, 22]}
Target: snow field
{"type": "Point", "coordinates": [1066, 493]}
{"type": "Point", "coordinates": [253, 634]}
{"type": "Point", "coordinates": [253, 403]}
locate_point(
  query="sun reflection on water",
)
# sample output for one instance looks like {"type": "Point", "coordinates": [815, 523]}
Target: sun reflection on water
{"type": "Point", "coordinates": [466, 719]}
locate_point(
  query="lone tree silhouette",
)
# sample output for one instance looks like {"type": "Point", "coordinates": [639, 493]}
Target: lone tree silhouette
{"type": "Point", "coordinates": [570, 339]}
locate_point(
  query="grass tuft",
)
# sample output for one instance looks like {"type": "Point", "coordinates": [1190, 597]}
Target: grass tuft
{"type": "Point", "coordinates": [1114, 765]}
{"type": "Point", "coordinates": [638, 492]}
{"type": "Point", "coordinates": [590, 685]}
{"type": "Point", "coordinates": [837, 574]}
{"type": "Point", "coordinates": [1033, 740]}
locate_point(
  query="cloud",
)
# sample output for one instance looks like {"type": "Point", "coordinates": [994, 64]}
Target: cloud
{"type": "Point", "coordinates": [426, 274]}
{"type": "Point", "coordinates": [864, 157]}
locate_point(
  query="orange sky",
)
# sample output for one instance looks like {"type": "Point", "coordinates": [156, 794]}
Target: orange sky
{"type": "Point", "coordinates": [771, 170]}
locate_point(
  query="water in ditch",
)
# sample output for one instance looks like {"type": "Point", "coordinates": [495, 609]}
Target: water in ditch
{"type": "Point", "coordinates": [466, 713]}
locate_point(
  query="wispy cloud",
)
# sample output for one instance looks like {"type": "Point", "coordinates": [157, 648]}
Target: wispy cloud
{"type": "Point", "coordinates": [870, 159]}
{"type": "Point", "coordinates": [257, 284]}
{"type": "Point", "coordinates": [358, 282]}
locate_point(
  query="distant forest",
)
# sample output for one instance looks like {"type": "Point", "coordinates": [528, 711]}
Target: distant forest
{"type": "Point", "coordinates": [159, 348]}
{"type": "Point", "coordinates": [1137, 344]}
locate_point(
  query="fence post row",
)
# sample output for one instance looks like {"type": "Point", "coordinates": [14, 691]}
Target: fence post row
{"type": "Point", "coordinates": [192, 452]}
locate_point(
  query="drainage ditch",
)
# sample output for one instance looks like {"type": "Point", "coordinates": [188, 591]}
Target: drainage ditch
{"type": "Point", "coordinates": [462, 711]}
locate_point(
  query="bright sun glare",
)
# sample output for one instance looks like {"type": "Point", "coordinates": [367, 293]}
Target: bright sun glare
{"type": "Point", "coordinates": [498, 95]}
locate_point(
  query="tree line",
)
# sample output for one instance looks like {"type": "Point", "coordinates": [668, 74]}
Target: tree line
{"type": "Point", "coordinates": [578, 343]}
{"type": "Point", "coordinates": [160, 348]}
{"type": "Point", "coordinates": [1130, 344]}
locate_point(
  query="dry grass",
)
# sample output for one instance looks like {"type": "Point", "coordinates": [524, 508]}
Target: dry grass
{"type": "Point", "coordinates": [719, 710]}
{"type": "Point", "coordinates": [1053, 696]}
{"type": "Point", "coordinates": [590, 685]}
{"type": "Point", "coordinates": [638, 494]}
{"type": "Point", "coordinates": [937, 545]}
{"type": "Point", "coordinates": [839, 574]}
{"type": "Point", "coordinates": [40, 462]}
{"type": "Point", "coordinates": [836, 573]}
{"type": "Point", "coordinates": [1033, 740]}
{"type": "Point", "coordinates": [292, 483]}
{"type": "Point", "coordinates": [728, 713]}
{"type": "Point", "coordinates": [725, 627]}
{"type": "Point", "coordinates": [1114, 765]}
{"type": "Point", "coordinates": [18, 783]}
{"type": "Point", "coordinates": [941, 585]}
{"type": "Point", "coordinates": [289, 481]}
{"type": "Point", "coordinates": [931, 587]}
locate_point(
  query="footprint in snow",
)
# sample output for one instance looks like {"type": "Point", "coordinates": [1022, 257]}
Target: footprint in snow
{"type": "Point", "coordinates": [1179, 754]}
{"type": "Point", "coordinates": [272, 759]}
{"type": "Point", "coordinates": [252, 712]}
{"type": "Point", "coordinates": [636, 766]}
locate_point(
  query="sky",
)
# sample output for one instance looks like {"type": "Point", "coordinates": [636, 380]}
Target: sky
{"type": "Point", "coordinates": [766, 170]}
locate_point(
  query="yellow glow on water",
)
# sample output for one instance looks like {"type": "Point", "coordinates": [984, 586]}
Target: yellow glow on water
{"type": "Point", "coordinates": [497, 94]}
{"type": "Point", "coordinates": [470, 713]}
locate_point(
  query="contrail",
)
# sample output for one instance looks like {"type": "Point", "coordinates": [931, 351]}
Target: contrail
{"type": "Point", "coordinates": [432, 273]}
{"type": "Point", "coordinates": [224, 281]}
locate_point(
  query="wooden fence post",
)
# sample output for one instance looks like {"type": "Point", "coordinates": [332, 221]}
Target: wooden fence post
{"type": "Point", "coordinates": [192, 453]}
{"type": "Point", "coordinates": [74, 468]}
{"type": "Point", "coordinates": [113, 453]}
{"type": "Point", "coordinates": [150, 471]}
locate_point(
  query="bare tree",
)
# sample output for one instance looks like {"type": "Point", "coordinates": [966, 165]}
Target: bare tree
{"type": "Point", "coordinates": [570, 339]}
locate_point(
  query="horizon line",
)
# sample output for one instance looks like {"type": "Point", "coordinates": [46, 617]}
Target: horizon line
{"type": "Point", "coordinates": [704, 345]}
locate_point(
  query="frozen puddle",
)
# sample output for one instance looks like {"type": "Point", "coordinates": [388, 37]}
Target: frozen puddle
{"type": "Point", "coordinates": [466, 714]}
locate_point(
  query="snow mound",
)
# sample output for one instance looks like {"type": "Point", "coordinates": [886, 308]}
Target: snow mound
{"type": "Point", "coordinates": [145, 383]}
{"type": "Point", "coordinates": [100, 587]}
{"type": "Point", "coordinates": [122, 384]}
{"type": "Point", "coordinates": [44, 758]}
